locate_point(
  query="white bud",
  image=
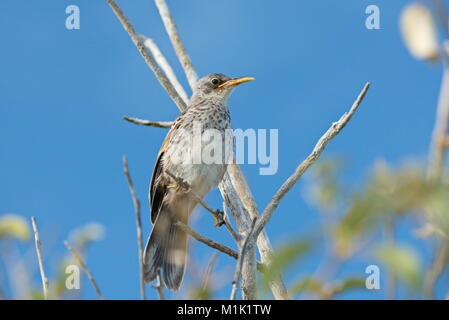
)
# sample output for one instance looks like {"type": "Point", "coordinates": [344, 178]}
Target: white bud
{"type": "Point", "coordinates": [418, 32]}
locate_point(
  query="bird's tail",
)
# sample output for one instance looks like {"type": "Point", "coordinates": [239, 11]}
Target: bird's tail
{"type": "Point", "coordinates": [166, 251]}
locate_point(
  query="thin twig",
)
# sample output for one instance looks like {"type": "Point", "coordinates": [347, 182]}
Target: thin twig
{"type": "Point", "coordinates": [177, 43]}
{"type": "Point", "coordinates": [238, 182]}
{"type": "Point", "coordinates": [208, 271]}
{"type": "Point", "coordinates": [237, 236]}
{"type": "Point", "coordinates": [163, 63]}
{"type": "Point", "coordinates": [83, 266]}
{"type": "Point", "coordinates": [441, 11]}
{"type": "Point", "coordinates": [214, 244]}
{"type": "Point", "coordinates": [208, 242]}
{"type": "Point", "coordinates": [241, 259]}
{"type": "Point", "coordinates": [37, 242]}
{"type": "Point", "coordinates": [148, 56]}
{"type": "Point", "coordinates": [158, 286]}
{"type": "Point", "coordinates": [158, 124]}
{"type": "Point", "coordinates": [302, 168]}
{"type": "Point", "coordinates": [438, 146]}
{"type": "Point", "coordinates": [136, 203]}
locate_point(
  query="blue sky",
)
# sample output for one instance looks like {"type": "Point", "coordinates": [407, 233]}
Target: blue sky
{"type": "Point", "coordinates": [63, 93]}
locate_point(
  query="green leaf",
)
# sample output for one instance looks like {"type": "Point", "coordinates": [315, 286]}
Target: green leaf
{"type": "Point", "coordinates": [307, 285]}
{"type": "Point", "coordinates": [348, 284]}
{"type": "Point", "coordinates": [14, 226]}
{"type": "Point", "coordinates": [404, 262]}
{"type": "Point", "coordinates": [285, 256]}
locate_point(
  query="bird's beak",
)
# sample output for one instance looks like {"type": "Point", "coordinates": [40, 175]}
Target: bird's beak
{"type": "Point", "coordinates": [235, 82]}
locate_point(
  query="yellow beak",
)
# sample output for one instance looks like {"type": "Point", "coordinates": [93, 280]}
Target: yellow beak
{"type": "Point", "coordinates": [235, 82]}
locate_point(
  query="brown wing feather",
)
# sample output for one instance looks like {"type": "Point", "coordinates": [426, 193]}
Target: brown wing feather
{"type": "Point", "coordinates": [158, 188]}
{"type": "Point", "coordinates": [157, 191]}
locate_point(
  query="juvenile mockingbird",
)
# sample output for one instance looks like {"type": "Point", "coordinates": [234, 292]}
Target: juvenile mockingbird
{"type": "Point", "coordinates": [178, 156]}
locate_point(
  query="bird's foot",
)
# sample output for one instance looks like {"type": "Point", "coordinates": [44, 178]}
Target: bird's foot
{"type": "Point", "coordinates": [180, 186]}
{"type": "Point", "coordinates": [219, 218]}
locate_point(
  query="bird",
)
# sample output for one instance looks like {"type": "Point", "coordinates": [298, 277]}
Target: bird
{"type": "Point", "coordinates": [179, 179]}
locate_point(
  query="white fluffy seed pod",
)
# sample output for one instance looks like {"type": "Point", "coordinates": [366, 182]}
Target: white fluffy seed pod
{"type": "Point", "coordinates": [419, 33]}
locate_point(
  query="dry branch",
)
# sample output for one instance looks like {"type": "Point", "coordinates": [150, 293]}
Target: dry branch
{"type": "Point", "coordinates": [136, 203]}
{"type": "Point", "coordinates": [241, 259]}
{"type": "Point", "coordinates": [213, 244]}
{"type": "Point", "coordinates": [147, 56]}
{"type": "Point", "coordinates": [237, 236]}
{"type": "Point", "coordinates": [208, 272]}
{"type": "Point", "coordinates": [302, 168]}
{"type": "Point", "coordinates": [84, 267]}
{"type": "Point", "coordinates": [157, 124]}
{"type": "Point", "coordinates": [209, 242]}
{"type": "Point", "coordinates": [165, 66]}
{"type": "Point", "coordinates": [438, 145]}
{"type": "Point", "coordinates": [37, 242]}
{"type": "Point", "coordinates": [177, 43]}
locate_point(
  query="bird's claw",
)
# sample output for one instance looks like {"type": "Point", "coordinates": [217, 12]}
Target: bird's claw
{"type": "Point", "coordinates": [219, 218]}
{"type": "Point", "coordinates": [180, 185]}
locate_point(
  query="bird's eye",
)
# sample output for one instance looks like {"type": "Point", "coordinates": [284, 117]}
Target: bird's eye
{"type": "Point", "coordinates": [215, 81]}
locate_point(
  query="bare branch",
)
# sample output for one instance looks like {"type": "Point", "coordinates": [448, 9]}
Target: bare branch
{"type": "Point", "coordinates": [238, 181]}
{"type": "Point", "coordinates": [237, 236]}
{"type": "Point", "coordinates": [37, 242]}
{"type": "Point", "coordinates": [213, 244]}
{"type": "Point", "coordinates": [83, 266]}
{"type": "Point", "coordinates": [240, 261]}
{"type": "Point", "coordinates": [148, 56]}
{"type": "Point", "coordinates": [319, 148]}
{"type": "Point", "coordinates": [208, 242]}
{"type": "Point", "coordinates": [208, 271]}
{"type": "Point", "coordinates": [243, 222]}
{"type": "Point", "coordinates": [158, 124]}
{"type": "Point", "coordinates": [438, 145]}
{"type": "Point", "coordinates": [177, 43]}
{"type": "Point", "coordinates": [165, 66]}
{"type": "Point", "coordinates": [136, 203]}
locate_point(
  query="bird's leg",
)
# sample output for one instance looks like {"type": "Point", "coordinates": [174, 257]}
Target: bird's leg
{"type": "Point", "coordinates": [184, 187]}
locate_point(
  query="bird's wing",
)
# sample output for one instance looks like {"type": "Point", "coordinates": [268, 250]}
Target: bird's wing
{"type": "Point", "coordinates": [158, 188]}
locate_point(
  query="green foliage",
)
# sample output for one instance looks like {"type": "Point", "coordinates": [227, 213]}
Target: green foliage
{"type": "Point", "coordinates": [14, 226]}
{"type": "Point", "coordinates": [388, 195]}
{"type": "Point", "coordinates": [314, 286]}
{"type": "Point", "coordinates": [307, 285]}
{"type": "Point", "coordinates": [285, 256]}
{"type": "Point", "coordinates": [323, 187]}
{"type": "Point", "coordinates": [403, 262]}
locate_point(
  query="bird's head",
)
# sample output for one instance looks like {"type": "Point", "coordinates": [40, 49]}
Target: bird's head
{"type": "Point", "coordinates": [217, 86]}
